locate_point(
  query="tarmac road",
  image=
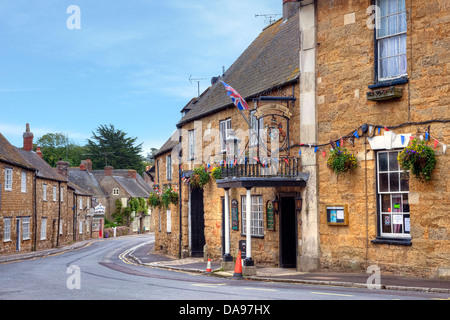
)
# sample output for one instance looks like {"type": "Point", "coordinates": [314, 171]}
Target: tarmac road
{"type": "Point", "coordinates": [104, 270]}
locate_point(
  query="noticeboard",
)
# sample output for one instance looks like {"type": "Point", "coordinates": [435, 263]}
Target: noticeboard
{"type": "Point", "coordinates": [234, 215]}
{"type": "Point", "coordinates": [337, 215]}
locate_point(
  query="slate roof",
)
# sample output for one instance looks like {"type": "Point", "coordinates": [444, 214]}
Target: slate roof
{"type": "Point", "coordinates": [86, 181]}
{"type": "Point", "coordinates": [11, 155]}
{"type": "Point", "coordinates": [168, 145]}
{"type": "Point", "coordinates": [45, 171]}
{"type": "Point", "coordinates": [134, 189]}
{"type": "Point", "coordinates": [270, 61]}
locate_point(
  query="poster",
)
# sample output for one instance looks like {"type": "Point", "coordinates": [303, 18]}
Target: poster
{"type": "Point", "coordinates": [234, 215]}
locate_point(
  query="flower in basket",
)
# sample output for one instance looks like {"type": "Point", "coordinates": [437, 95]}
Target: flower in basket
{"type": "Point", "coordinates": [419, 159]}
{"type": "Point", "coordinates": [340, 160]}
{"type": "Point", "coordinates": [216, 173]}
{"type": "Point", "coordinates": [199, 178]}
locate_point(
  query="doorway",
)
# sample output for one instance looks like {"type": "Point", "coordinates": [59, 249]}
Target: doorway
{"type": "Point", "coordinates": [197, 223]}
{"type": "Point", "coordinates": [288, 233]}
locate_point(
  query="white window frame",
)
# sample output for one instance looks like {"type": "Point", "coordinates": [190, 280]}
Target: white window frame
{"type": "Point", "coordinates": [257, 212]}
{"type": "Point", "coordinates": [6, 229]}
{"type": "Point", "coordinates": [400, 36]}
{"type": "Point", "coordinates": [256, 125]}
{"type": "Point", "coordinates": [191, 144]}
{"type": "Point", "coordinates": [44, 190]}
{"type": "Point", "coordinates": [60, 226]}
{"type": "Point", "coordinates": [169, 167]}
{"type": "Point", "coordinates": [26, 228]}
{"type": "Point", "coordinates": [401, 195]}
{"type": "Point", "coordinates": [44, 229]}
{"type": "Point", "coordinates": [80, 227]}
{"type": "Point", "coordinates": [169, 220]}
{"type": "Point", "coordinates": [54, 194]}
{"type": "Point", "coordinates": [115, 191]}
{"type": "Point", "coordinates": [80, 203]}
{"type": "Point", "coordinates": [224, 127]}
{"type": "Point", "coordinates": [61, 191]}
{"type": "Point", "coordinates": [8, 179]}
{"type": "Point", "coordinates": [23, 184]}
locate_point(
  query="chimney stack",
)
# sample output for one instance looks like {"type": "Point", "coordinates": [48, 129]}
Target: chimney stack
{"type": "Point", "coordinates": [39, 153]}
{"type": "Point", "coordinates": [86, 165]}
{"type": "Point", "coordinates": [28, 139]}
{"type": "Point", "coordinates": [109, 171]}
{"type": "Point", "coordinates": [290, 7]}
{"type": "Point", "coordinates": [132, 174]}
{"type": "Point", "coordinates": [63, 168]}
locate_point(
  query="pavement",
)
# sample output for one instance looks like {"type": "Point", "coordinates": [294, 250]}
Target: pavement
{"type": "Point", "coordinates": [146, 256]}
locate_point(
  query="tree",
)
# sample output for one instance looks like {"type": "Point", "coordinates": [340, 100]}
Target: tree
{"type": "Point", "coordinates": [55, 146]}
{"type": "Point", "coordinates": [110, 146]}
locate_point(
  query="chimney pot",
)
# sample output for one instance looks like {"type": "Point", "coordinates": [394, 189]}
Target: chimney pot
{"type": "Point", "coordinates": [39, 153]}
{"type": "Point", "coordinates": [28, 139]}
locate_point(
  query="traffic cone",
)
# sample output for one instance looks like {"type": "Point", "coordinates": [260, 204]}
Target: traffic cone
{"type": "Point", "coordinates": [238, 267]}
{"type": "Point", "coordinates": [208, 266]}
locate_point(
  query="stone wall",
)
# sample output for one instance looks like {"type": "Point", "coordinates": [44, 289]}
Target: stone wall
{"type": "Point", "coordinates": [345, 65]}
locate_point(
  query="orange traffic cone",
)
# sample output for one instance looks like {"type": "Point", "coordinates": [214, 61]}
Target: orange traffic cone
{"type": "Point", "coordinates": [208, 266]}
{"type": "Point", "coordinates": [238, 267]}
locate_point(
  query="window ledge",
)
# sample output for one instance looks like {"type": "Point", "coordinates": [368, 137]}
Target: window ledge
{"type": "Point", "coordinates": [388, 83]}
{"type": "Point", "coordinates": [399, 242]}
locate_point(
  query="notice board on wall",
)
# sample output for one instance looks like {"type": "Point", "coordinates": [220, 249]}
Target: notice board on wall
{"type": "Point", "coordinates": [337, 215]}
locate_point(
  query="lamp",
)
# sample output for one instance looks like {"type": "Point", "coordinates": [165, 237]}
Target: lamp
{"type": "Point", "coordinates": [298, 202]}
{"type": "Point", "coordinates": [276, 205]}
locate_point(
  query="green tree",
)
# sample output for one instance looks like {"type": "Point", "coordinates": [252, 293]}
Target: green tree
{"type": "Point", "coordinates": [110, 146]}
{"type": "Point", "coordinates": [55, 146]}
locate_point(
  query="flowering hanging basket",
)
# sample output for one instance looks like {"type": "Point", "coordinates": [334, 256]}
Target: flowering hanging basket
{"type": "Point", "coordinates": [340, 161]}
{"type": "Point", "coordinates": [419, 159]}
{"type": "Point", "coordinates": [200, 177]}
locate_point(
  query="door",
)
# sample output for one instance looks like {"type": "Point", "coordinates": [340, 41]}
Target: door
{"type": "Point", "coordinates": [288, 233]}
{"type": "Point", "coordinates": [18, 234]}
{"type": "Point", "coordinates": [197, 223]}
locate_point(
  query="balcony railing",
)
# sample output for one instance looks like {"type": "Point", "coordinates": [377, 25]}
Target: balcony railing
{"type": "Point", "coordinates": [288, 167]}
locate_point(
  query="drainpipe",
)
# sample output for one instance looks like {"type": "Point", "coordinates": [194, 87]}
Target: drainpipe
{"type": "Point", "coordinates": [59, 214]}
{"type": "Point", "coordinates": [248, 260]}
{"type": "Point", "coordinates": [35, 212]}
{"type": "Point", "coordinates": [227, 256]}
{"type": "Point", "coordinates": [179, 204]}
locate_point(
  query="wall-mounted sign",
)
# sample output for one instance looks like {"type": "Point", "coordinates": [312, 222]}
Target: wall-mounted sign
{"type": "Point", "coordinates": [234, 215]}
{"type": "Point", "coordinates": [337, 215]}
{"type": "Point", "coordinates": [270, 216]}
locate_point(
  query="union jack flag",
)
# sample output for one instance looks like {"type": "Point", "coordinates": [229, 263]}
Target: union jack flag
{"type": "Point", "coordinates": [238, 101]}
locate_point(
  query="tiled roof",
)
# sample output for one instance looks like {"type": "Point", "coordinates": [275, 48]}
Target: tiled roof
{"type": "Point", "coordinates": [131, 186]}
{"type": "Point", "coordinates": [45, 171]}
{"type": "Point", "coordinates": [168, 145]}
{"type": "Point", "coordinates": [86, 181]}
{"type": "Point", "coordinates": [270, 61]}
{"type": "Point", "coordinates": [11, 155]}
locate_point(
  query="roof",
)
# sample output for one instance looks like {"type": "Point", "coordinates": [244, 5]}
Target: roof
{"type": "Point", "coordinates": [11, 155]}
{"type": "Point", "coordinates": [270, 61]}
{"type": "Point", "coordinates": [168, 145]}
{"type": "Point", "coordinates": [132, 187]}
{"type": "Point", "coordinates": [78, 190]}
{"type": "Point", "coordinates": [86, 181]}
{"type": "Point", "coordinates": [45, 171]}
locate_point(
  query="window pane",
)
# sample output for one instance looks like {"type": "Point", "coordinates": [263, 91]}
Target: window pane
{"type": "Point", "coordinates": [383, 161]}
{"type": "Point", "coordinates": [384, 48]}
{"type": "Point", "coordinates": [404, 181]}
{"type": "Point", "coordinates": [392, 6]}
{"type": "Point", "coordinates": [407, 223]}
{"type": "Point", "coordinates": [401, 5]}
{"type": "Point", "coordinates": [394, 181]}
{"type": "Point", "coordinates": [397, 223]}
{"type": "Point", "coordinates": [405, 203]}
{"type": "Point", "coordinates": [385, 202]}
{"type": "Point", "coordinates": [402, 44]}
{"type": "Point", "coordinates": [384, 70]}
{"type": "Point", "coordinates": [383, 31]}
{"type": "Point", "coordinates": [392, 24]}
{"type": "Point", "coordinates": [386, 223]}
{"type": "Point", "coordinates": [393, 164]}
{"type": "Point", "coordinates": [392, 69]}
{"type": "Point", "coordinates": [384, 182]}
{"type": "Point", "coordinates": [402, 22]}
{"type": "Point", "coordinates": [393, 46]}
{"type": "Point", "coordinates": [396, 203]}
{"type": "Point", "coordinates": [383, 7]}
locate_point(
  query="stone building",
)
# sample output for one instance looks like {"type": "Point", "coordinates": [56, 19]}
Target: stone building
{"type": "Point", "coordinates": [381, 77]}
{"type": "Point", "coordinates": [214, 133]}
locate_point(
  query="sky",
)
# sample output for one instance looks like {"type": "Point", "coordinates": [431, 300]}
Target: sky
{"type": "Point", "coordinates": [120, 62]}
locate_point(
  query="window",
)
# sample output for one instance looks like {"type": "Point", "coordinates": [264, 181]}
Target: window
{"type": "Point", "coordinates": [169, 221]}
{"type": "Point", "coordinates": [61, 193]}
{"type": "Point", "coordinates": [256, 125]}
{"type": "Point", "coordinates": [61, 226]}
{"type": "Point", "coordinates": [116, 191]}
{"type": "Point", "coordinates": [391, 39]}
{"type": "Point", "coordinates": [6, 229]}
{"type": "Point", "coordinates": [393, 190]}
{"type": "Point", "coordinates": [80, 204]}
{"type": "Point", "coordinates": [191, 145]}
{"type": "Point", "coordinates": [54, 193]}
{"type": "Point", "coordinates": [169, 167]}
{"type": "Point", "coordinates": [224, 127]}
{"type": "Point", "coordinates": [26, 229]}
{"type": "Point", "coordinates": [8, 179]}
{"type": "Point", "coordinates": [44, 188]}
{"type": "Point", "coordinates": [80, 228]}
{"type": "Point", "coordinates": [23, 185]}
{"type": "Point", "coordinates": [44, 229]}
{"type": "Point", "coordinates": [257, 225]}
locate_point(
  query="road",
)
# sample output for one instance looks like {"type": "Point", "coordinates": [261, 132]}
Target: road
{"type": "Point", "coordinates": [102, 271]}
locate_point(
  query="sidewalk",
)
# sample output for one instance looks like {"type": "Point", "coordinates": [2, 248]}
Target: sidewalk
{"type": "Point", "coordinates": [145, 256]}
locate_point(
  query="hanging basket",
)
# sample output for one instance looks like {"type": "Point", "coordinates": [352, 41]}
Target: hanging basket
{"type": "Point", "coordinates": [340, 161]}
{"type": "Point", "coordinates": [419, 159]}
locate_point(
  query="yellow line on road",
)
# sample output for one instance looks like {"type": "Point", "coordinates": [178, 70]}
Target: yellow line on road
{"type": "Point", "coordinates": [333, 294]}
{"type": "Point", "coordinates": [259, 289]}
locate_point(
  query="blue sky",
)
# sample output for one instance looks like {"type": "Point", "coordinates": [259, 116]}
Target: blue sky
{"type": "Point", "coordinates": [128, 65]}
